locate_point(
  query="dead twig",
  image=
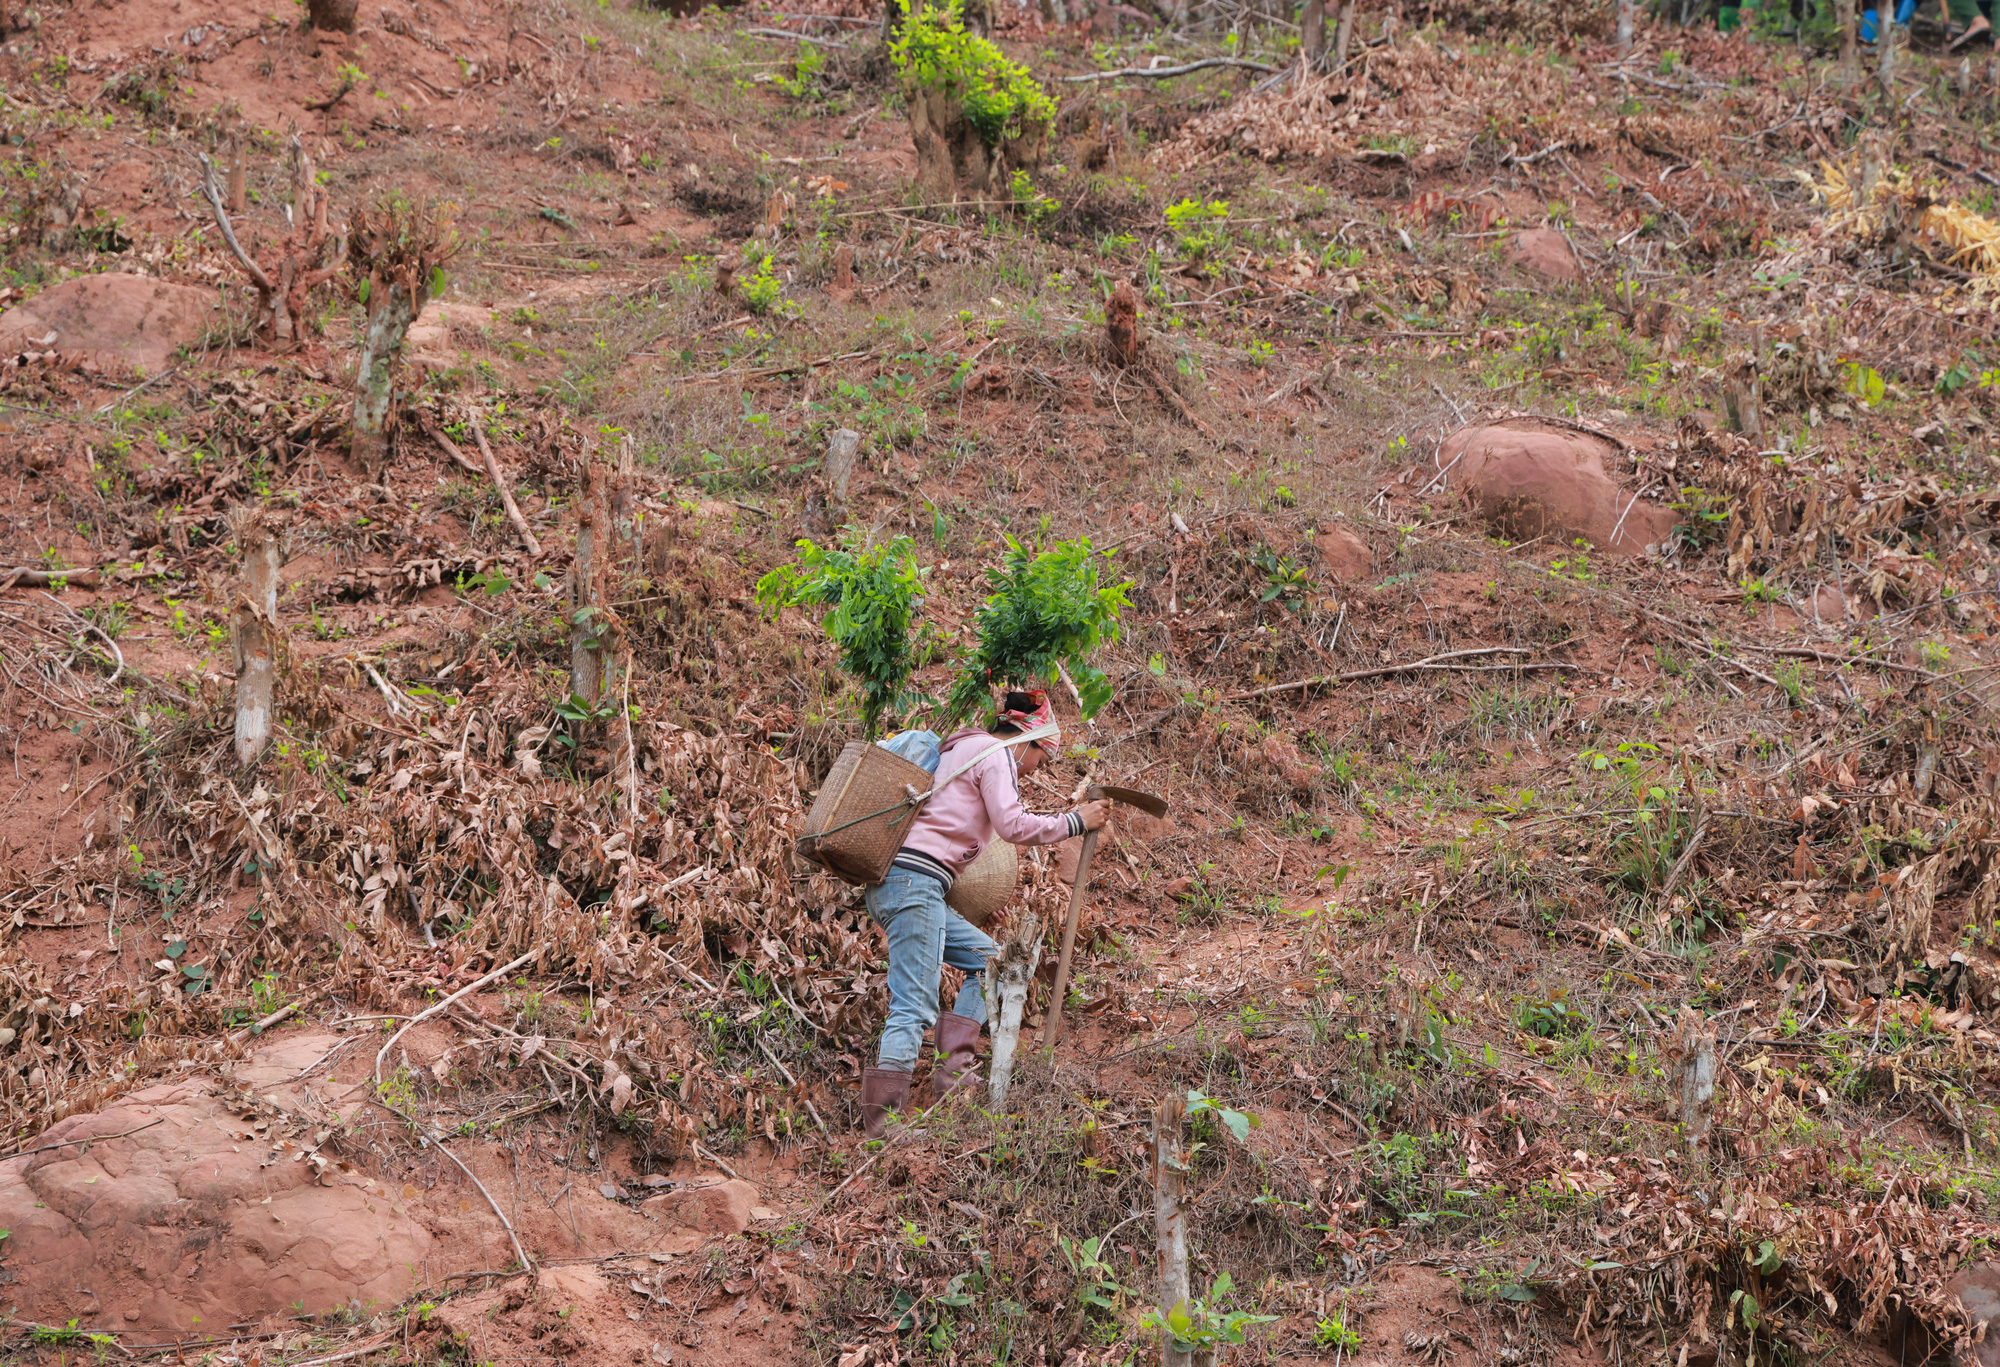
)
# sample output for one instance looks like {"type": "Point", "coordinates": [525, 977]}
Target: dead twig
{"type": "Point", "coordinates": [1161, 73]}
{"type": "Point", "coordinates": [85, 1139]}
{"type": "Point", "coordinates": [448, 446]}
{"type": "Point", "coordinates": [47, 579]}
{"type": "Point", "coordinates": [213, 193]}
{"type": "Point", "coordinates": [446, 1004]}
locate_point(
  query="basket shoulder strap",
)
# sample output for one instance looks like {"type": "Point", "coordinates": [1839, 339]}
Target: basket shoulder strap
{"type": "Point", "coordinates": [995, 749]}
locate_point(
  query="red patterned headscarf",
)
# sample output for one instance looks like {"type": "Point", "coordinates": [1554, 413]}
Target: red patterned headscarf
{"type": "Point", "coordinates": [1042, 715]}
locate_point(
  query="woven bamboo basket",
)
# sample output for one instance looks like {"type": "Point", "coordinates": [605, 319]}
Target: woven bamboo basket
{"type": "Point", "coordinates": [863, 813]}
{"type": "Point", "coordinates": [987, 884]}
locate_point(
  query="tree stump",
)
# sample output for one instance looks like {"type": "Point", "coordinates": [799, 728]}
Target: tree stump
{"type": "Point", "coordinates": [335, 16]}
{"type": "Point", "coordinates": [953, 158]}
{"type": "Point", "coordinates": [1121, 322]}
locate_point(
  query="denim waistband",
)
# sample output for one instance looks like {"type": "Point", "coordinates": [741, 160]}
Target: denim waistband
{"type": "Point", "coordinates": [916, 861]}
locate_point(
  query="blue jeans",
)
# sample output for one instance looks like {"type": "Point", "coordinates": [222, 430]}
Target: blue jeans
{"type": "Point", "coordinates": [924, 935]}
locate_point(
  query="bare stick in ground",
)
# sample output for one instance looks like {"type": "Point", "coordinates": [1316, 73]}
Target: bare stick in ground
{"type": "Point", "coordinates": [254, 630]}
{"type": "Point", "coordinates": [590, 659]}
{"type": "Point", "coordinates": [1170, 1223]}
{"type": "Point", "coordinates": [625, 541]}
{"type": "Point", "coordinates": [1312, 36]}
{"type": "Point", "coordinates": [1697, 1081]}
{"type": "Point", "coordinates": [1008, 977]}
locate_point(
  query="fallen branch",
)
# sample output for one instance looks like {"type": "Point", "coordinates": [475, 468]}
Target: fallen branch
{"type": "Point", "coordinates": [321, 106]}
{"type": "Point", "coordinates": [47, 579]}
{"type": "Point", "coordinates": [446, 1004]}
{"type": "Point", "coordinates": [527, 1263]}
{"type": "Point", "coordinates": [1432, 662]}
{"type": "Point", "coordinates": [138, 388]}
{"type": "Point", "coordinates": [1827, 657]}
{"type": "Point", "coordinates": [259, 1027]}
{"type": "Point", "coordinates": [793, 1083]}
{"type": "Point", "coordinates": [448, 446]}
{"type": "Point", "coordinates": [506, 494]}
{"type": "Point", "coordinates": [213, 193]}
{"type": "Point", "coordinates": [86, 1139]}
{"type": "Point", "coordinates": [1712, 653]}
{"type": "Point", "coordinates": [1533, 157]}
{"type": "Point", "coordinates": [1173, 398]}
{"type": "Point", "coordinates": [102, 635]}
{"type": "Point", "coordinates": [1161, 73]}
{"type": "Point", "coordinates": [795, 37]}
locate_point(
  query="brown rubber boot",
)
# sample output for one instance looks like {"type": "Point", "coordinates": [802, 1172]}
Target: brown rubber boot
{"type": "Point", "coordinates": [882, 1090]}
{"type": "Point", "coordinates": [958, 1041]}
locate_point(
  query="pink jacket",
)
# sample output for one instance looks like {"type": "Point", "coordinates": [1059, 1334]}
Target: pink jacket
{"type": "Point", "coordinates": [985, 800]}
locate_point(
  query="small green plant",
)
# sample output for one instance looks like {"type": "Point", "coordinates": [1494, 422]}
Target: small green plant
{"type": "Point", "coordinates": [805, 72]}
{"type": "Point", "coordinates": [1866, 384]}
{"type": "Point", "coordinates": [1575, 564]}
{"type": "Point", "coordinates": [1757, 589]}
{"type": "Point", "coordinates": [1333, 1333]}
{"type": "Point", "coordinates": [1551, 1017]}
{"type": "Point", "coordinates": [1704, 516]}
{"type": "Point", "coordinates": [63, 1335]}
{"type": "Point", "coordinates": [874, 593]}
{"type": "Point", "coordinates": [1199, 1324]}
{"type": "Point", "coordinates": [1034, 205]}
{"type": "Point", "coordinates": [184, 625]}
{"type": "Point", "coordinates": [113, 619]}
{"type": "Point", "coordinates": [1285, 583]}
{"type": "Point", "coordinates": [1791, 676]}
{"type": "Point", "coordinates": [1936, 656]}
{"type": "Point", "coordinates": [1201, 227]}
{"type": "Point", "coordinates": [1238, 1123]}
{"type": "Point", "coordinates": [1097, 1284]}
{"type": "Point", "coordinates": [1260, 353]}
{"type": "Point", "coordinates": [761, 288]}
{"type": "Point", "coordinates": [1206, 900]}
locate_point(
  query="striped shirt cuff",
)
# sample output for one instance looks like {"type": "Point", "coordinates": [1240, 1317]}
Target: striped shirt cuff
{"type": "Point", "coordinates": [1076, 823]}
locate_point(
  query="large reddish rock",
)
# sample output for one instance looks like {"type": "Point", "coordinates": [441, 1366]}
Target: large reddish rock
{"type": "Point", "coordinates": [131, 320]}
{"type": "Point", "coordinates": [208, 1209]}
{"type": "Point", "coordinates": [1544, 252]}
{"type": "Point", "coordinates": [1344, 554]}
{"type": "Point", "coordinates": [1530, 479]}
{"type": "Point", "coordinates": [718, 1208]}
